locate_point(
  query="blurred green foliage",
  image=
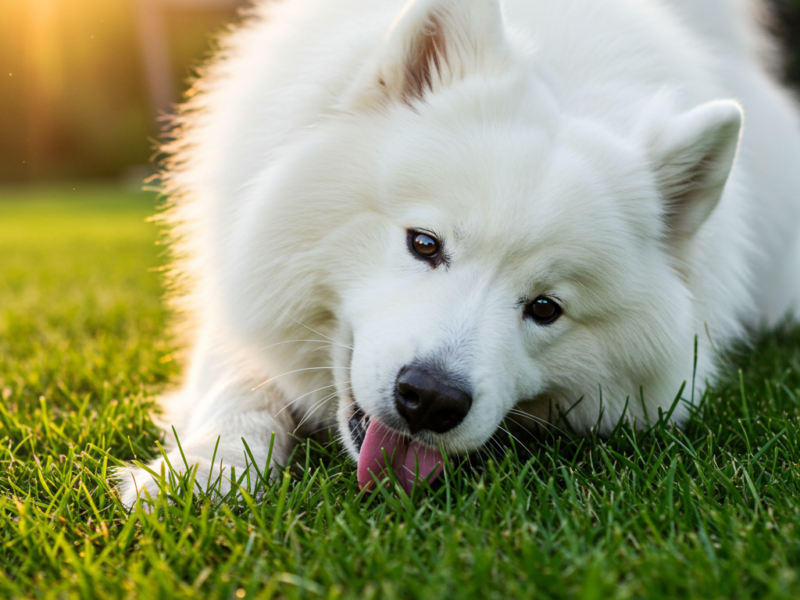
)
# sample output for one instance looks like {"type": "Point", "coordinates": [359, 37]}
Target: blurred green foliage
{"type": "Point", "coordinates": [708, 513]}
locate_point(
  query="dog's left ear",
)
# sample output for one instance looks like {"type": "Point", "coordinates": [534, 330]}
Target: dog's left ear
{"type": "Point", "coordinates": [436, 42]}
{"type": "Point", "coordinates": [692, 159]}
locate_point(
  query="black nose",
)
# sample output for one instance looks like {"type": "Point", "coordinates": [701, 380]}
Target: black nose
{"type": "Point", "coordinates": [429, 402]}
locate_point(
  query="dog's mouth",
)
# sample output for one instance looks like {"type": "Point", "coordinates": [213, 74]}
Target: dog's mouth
{"type": "Point", "coordinates": [358, 424]}
{"type": "Point", "coordinates": [381, 448]}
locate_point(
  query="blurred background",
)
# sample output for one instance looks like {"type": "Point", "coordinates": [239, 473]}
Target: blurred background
{"type": "Point", "coordinates": [83, 83]}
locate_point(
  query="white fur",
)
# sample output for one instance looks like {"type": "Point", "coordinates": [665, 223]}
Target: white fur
{"type": "Point", "coordinates": [578, 149]}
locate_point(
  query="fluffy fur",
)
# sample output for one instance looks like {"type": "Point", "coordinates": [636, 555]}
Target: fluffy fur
{"type": "Point", "coordinates": [588, 151]}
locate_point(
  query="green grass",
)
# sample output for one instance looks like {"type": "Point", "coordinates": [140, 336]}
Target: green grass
{"type": "Point", "coordinates": [709, 512]}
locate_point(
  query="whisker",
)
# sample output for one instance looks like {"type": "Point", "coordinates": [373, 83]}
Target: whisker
{"type": "Point", "coordinates": [515, 422]}
{"type": "Point", "coordinates": [314, 409]}
{"type": "Point", "coordinates": [536, 419]}
{"type": "Point", "coordinates": [332, 421]}
{"type": "Point", "coordinates": [295, 371]}
{"type": "Point", "coordinates": [469, 462]}
{"type": "Point", "coordinates": [317, 332]}
{"type": "Point", "coordinates": [497, 444]}
{"type": "Point", "coordinates": [352, 402]}
{"type": "Point", "coordinates": [516, 439]}
{"type": "Point", "coordinates": [296, 342]}
{"type": "Point", "coordinates": [288, 404]}
{"type": "Point", "coordinates": [310, 412]}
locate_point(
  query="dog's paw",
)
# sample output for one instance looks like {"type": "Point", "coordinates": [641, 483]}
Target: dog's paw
{"type": "Point", "coordinates": [135, 483]}
{"type": "Point", "coordinates": [176, 471]}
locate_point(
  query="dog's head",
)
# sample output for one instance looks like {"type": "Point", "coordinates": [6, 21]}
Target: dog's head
{"type": "Point", "coordinates": [521, 255]}
{"type": "Point", "coordinates": [491, 250]}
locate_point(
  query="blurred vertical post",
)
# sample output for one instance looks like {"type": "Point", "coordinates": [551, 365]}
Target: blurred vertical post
{"type": "Point", "coordinates": [156, 56]}
{"type": "Point", "coordinates": [154, 42]}
{"type": "Point", "coordinates": [45, 83]}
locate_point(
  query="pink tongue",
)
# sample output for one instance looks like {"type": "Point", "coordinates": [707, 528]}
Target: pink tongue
{"type": "Point", "coordinates": [404, 457]}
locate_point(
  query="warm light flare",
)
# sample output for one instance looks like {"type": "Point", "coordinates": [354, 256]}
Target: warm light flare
{"type": "Point", "coordinates": [82, 80]}
{"type": "Point", "coordinates": [45, 73]}
{"type": "Point", "coordinates": [43, 48]}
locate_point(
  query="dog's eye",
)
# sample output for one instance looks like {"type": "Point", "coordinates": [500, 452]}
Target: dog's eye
{"type": "Point", "coordinates": [424, 246]}
{"type": "Point", "coordinates": [543, 310]}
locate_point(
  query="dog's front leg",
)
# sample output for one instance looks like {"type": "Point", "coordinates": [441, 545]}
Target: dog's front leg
{"type": "Point", "coordinates": [212, 432]}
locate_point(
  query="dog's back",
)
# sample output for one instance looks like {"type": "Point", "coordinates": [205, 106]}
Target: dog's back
{"type": "Point", "coordinates": [736, 36]}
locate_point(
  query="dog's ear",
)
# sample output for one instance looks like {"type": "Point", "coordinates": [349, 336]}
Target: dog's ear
{"type": "Point", "coordinates": [435, 42]}
{"type": "Point", "coordinates": [692, 158]}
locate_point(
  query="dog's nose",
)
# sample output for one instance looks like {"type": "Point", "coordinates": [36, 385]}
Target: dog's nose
{"type": "Point", "coordinates": [429, 402]}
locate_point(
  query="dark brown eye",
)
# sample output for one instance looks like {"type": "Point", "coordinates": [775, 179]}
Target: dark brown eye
{"type": "Point", "coordinates": [424, 245]}
{"type": "Point", "coordinates": [543, 310]}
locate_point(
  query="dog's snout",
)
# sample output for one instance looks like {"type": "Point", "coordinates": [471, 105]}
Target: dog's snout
{"type": "Point", "coordinates": [428, 402]}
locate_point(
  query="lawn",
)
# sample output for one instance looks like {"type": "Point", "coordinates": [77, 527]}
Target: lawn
{"type": "Point", "coordinates": [709, 512]}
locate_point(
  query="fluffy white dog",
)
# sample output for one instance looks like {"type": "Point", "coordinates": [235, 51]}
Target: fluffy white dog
{"type": "Point", "coordinates": [407, 219]}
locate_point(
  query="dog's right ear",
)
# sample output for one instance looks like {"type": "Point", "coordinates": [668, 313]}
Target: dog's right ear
{"type": "Point", "coordinates": [434, 43]}
{"type": "Point", "coordinates": [692, 159]}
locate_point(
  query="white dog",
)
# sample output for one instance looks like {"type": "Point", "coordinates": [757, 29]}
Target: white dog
{"type": "Point", "coordinates": [407, 219]}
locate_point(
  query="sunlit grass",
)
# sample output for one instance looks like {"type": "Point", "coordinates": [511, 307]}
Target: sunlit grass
{"type": "Point", "coordinates": [712, 512]}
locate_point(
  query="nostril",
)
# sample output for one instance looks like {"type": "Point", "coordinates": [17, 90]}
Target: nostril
{"type": "Point", "coordinates": [409, 395]}
{"type": "Point", "coordinates": [430, 402]}
{"type": "Point", "coordinates": [441, 421]}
